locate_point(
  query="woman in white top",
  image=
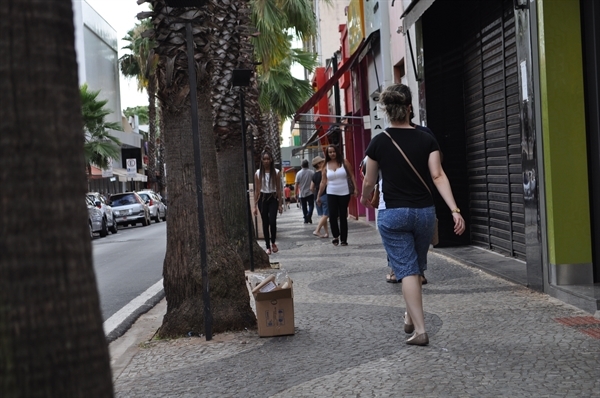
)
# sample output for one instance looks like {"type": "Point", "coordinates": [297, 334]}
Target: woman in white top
{"type": "Point", "coordinates": [267, 198]}
{"type": "Point", "coordinates": [336, 176]}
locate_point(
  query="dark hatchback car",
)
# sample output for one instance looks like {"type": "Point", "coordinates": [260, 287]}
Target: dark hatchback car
{"type": "Point", "coordinates": [129, 209]}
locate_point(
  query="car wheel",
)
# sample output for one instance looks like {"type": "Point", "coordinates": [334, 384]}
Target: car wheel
{"type": "Point", "coordinates": [91, 231]}
{"type": "Point", "coordinates": [104, 230]}
{"type": "Point", "coordinates": [115, 227]}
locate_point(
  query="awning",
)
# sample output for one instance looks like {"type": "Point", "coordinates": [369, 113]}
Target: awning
{"type": "Point", "coordinates": [314, 138]}
{"type": "Point", "coordinates": [413, 12]}
{"type": "Point", "coordinates": [312, 101]}
{"type": "Point", "coordinates": [123, 177]}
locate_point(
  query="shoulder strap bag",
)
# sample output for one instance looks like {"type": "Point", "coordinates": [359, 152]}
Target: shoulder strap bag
{"type": "Point", "coordinates": [436, 238]}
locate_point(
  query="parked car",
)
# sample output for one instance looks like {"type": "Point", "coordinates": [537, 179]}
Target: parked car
{"type": "Point", "coordinates": [129, 209]}
{"type": "Point", "coordinates": [94, 217]}
{"type": "Point", "coordinates": [108, 221]}
{"type": "Point", "coordinates": [157, 208]}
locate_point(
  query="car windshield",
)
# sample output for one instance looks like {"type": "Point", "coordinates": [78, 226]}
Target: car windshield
{"type": "Point", "coordinates": [144, 196]}
{"type": "Point", "coordinates": [123, 200]}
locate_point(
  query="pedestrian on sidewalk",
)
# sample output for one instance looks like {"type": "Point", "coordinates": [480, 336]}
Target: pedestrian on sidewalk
{"type": "Point", "coordinates": [267, 198]}
{"type": "Point", "coordinates": [287, 192]}
{"type": "Point", "coordinates": [307, 198]}
{"type": "Point", "coordinates": [338, 177]}
{"type": "Point", "coordinates": [322, 209]}
{"type": "Point", "coordinates": [391, 277]}
{"type": "Point", "coordinates": [406, 214]}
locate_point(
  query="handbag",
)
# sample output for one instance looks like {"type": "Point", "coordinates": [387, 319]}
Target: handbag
{"type": "Point", "coordinates": [435, 239]}
{"type": "Point", "coordinates": [375, 198]}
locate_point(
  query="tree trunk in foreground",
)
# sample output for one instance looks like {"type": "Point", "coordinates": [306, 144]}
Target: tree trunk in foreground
{"type": "Point", "coordinates": [229, 298]}
{"type": "Point", "coordinates": [51, 339]}
{"type": "Point", "coordinates": [152, 132]}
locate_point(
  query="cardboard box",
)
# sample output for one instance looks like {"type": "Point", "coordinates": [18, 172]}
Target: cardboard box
{"type": "Point", "coordinates": [275, 311]}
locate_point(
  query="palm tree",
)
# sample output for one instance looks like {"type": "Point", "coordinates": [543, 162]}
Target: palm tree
{"type": "Point", "coordinates": [219, 49]}
{"type": "Point", "coordinates": [274, 88]}
{"type": "Point", "coordinates": [140, 111]}
{"type": "Point", "coordinates": [230, 304]}
{"type": "Point", "coordinates": [52, 341]}
{"type": "Point", "coordinates": [100, 146]}
{"type": "Point", "coordinates": [141, 64]}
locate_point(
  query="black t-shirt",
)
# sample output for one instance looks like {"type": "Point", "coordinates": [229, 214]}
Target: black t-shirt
{"type": "Point", "coordinates": [316, 179]}
{"type": "Point", "coordinates": [400, 185]}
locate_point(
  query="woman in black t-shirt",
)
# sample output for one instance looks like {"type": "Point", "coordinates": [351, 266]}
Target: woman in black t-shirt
{"type": "Point", "coordinates": [406, 215]}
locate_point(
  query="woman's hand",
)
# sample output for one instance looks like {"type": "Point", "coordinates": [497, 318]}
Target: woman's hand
{"type": "Point", "coordinates": [365, 202]}
{"type": "Point", "coordinates": [255, 211]}
{"type": "Point", "coordinates": [459, 224]}
{"type": "Point", "coordinates": [280, 209]}
{"type": "Point", "coordinates": [318, 200]}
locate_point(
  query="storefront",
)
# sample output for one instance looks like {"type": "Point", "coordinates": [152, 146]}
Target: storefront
{"type": "Point", "coordinates": [510, 88]}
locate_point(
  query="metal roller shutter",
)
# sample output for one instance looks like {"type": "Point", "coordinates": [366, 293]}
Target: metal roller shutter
{"type": "Point", "coordinates": [493, 131]}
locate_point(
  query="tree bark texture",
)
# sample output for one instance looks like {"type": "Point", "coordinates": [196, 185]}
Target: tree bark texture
{"type": "Point", "coordinates": [162, 181]}
{"type": "Point", "coordinates": [227, 56]}
{"type": "Point", "coordinates": [229, 298]}
{"type": "Point", "coordinates": [234, 206]}
{"type": "Point", "coordinates": [52, 343]}
{"type": "Point", "coordinates": [152, 132]}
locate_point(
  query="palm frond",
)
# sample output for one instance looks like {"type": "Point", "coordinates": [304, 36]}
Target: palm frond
{"type": "Point", "coordinates": [300, 17]}
{"type": "Point", "coordinates": [306, 59]}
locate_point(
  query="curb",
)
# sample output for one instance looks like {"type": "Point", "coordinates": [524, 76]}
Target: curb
{"type": "Point", "coordinates": [121, 321]}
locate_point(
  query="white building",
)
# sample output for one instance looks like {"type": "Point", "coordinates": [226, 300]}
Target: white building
{"type": "Point", "coordinates": [98, 66]}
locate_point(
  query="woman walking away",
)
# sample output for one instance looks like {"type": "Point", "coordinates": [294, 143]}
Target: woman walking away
{"type": "Point", "coordinates": [337, 176]}
{"type": "Point", "coordinates": [267, 198]}
{"type": "Point", "coordinates": [322, 209]}
{"type": "Point", "coordinates": [406, 215]}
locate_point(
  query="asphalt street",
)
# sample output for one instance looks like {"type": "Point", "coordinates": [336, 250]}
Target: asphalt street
{"type": "Point", "coordinates": [128, 263]}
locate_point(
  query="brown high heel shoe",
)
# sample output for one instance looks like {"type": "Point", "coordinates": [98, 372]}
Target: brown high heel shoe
{"type": "Point", "coordinates": [418, 339]}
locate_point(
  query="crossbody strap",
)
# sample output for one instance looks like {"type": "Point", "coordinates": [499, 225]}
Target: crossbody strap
{"type": "Point", "coordinates": [409, 162]}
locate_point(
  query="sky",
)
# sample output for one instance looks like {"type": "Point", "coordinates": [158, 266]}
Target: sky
{"type": "Point", "coordinates": [120, 14]}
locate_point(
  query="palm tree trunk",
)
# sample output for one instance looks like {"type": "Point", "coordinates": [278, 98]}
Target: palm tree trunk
{"type": "Point", "coordinates": [182, 277]}
{"type": "Point", "coordinates": [226, 108]}
{"type": "Point", "coordinates": [51, 338]}
{"type": "Point", "coordinates": [162, 182]}
{"type": "Point", "coordinates": [152, 132]}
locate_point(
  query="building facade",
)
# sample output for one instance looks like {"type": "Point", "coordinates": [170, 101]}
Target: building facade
{"type": "Point", "coordinates": [511, 90]}
{"type": "Point", "coordinates": [98, 66]}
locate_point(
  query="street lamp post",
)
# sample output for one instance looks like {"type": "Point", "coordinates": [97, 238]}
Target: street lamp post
{"type": "Point", "coordinates": [241, 78]}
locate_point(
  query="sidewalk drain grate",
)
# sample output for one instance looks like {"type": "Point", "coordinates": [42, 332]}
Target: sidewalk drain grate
{"type": "Point", "coordinates": [587, 325]}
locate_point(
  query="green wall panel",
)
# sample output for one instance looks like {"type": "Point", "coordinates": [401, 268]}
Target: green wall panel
{"type": "Point", "coordinates": [564, 132]}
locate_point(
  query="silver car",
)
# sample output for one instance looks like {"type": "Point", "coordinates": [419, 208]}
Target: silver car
{"type": "Point", "coordinates": [94, 217]}
{"type": "Point", "coordinates": [129, 209]}
{"type": "Point", "coordinates": [108, 221]}
{"type": "Point", "coordinates": [157, 208]}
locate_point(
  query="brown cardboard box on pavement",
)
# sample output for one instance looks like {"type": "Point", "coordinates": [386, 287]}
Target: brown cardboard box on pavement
{"type": "Point", "coordinates": [275, 311]}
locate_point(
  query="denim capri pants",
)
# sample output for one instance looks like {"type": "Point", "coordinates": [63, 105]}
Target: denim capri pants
{"type": "Point", "coordinates": [406, 233]}
{"type": "Point", "coordinates": [323, 210]}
